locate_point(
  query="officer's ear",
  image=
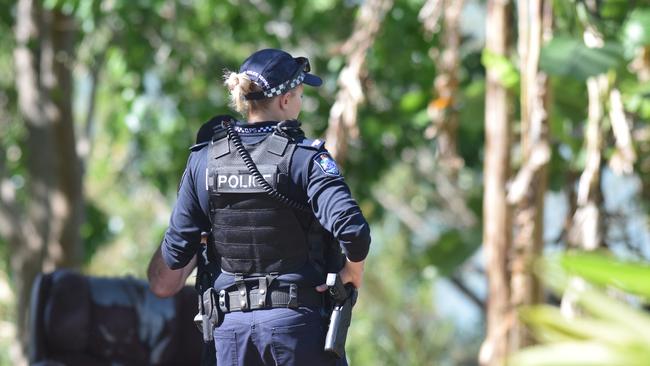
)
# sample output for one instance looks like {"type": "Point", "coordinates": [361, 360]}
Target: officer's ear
{"type": "Point", "coordinates": [283, 100]}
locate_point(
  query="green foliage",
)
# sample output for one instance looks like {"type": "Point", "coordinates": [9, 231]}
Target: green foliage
{"type": "Point", "coordinates": [159, 67]}
{"type": "Point", "coordinates": [605, 16]}
{"type": "Point", "coordinates": [567, 56]}
{"type": "Point", "coordinates": [451, 250]}
{"type": "Point", "coordinates": [606, 271]}
{"type": "Point", "coordinates": [636, 31]}
{"type": "Point", "coordinates": [413, 101]}
{"type": "Point", "coordinates": [504, 69]}
{"type": "Point", "coordinates": [94, 231]}
{"type": "Point", "coordinates": [606, 331]}
{"type": "Point", "coordinates": [407, 328]}
{"type": "Point", "coordinates": [471, 115]}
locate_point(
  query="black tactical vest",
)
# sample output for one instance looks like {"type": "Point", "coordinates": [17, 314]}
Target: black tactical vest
{"type": "Point", "coordinates": [252, 232]}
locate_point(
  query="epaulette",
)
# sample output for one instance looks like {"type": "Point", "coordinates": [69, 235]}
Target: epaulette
{"type": "Point", "coordinates": [197, 147]}
{"type": "Point", "coordinates": [316, 144]}
{"type": "Point", "coordinates": [212, 129]}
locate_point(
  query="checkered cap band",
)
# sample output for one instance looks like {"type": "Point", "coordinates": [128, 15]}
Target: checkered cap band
{"type": "Point", "coordinates": [287, 85]}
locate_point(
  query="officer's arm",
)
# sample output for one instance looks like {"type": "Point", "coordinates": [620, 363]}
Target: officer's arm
{"type": "Point", "coordinates": [339, 213]}
{"type": "Point", "coordinates": [176, 258]}
{"type": "Point", "coordinates": [334, 207]}
{"type": "Point", "coordinates": [166, 282]}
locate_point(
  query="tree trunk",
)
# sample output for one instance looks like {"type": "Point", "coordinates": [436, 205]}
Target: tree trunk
{"type": "Point", "coordinates": [497, 221]}
{"type": "Point", "coordinates": [623, 159]}
{"type": "Point", "coordinates": [588, 228]}
{"type": "Point", "coordinates": [46, 231]}
{"type": "Point", "coordinates": [534, 20]}
{"type": "Point", "coordinates": [443, 110]}
{"type": "Point", "coordinates": [342, 123]}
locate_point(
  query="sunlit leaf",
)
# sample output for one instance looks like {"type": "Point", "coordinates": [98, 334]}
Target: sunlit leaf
{"type": "Point", "coordinates": [504, 69]}
{"type": "Point", "coordinates": [603, 270]}
{"type": "Point", "coordinates": [567, 56]}
{"type": "Point", "coordinates": [604, 331]}
{"type": "Point", "coordinates": [413, 101]}
{"type": "Point", "coordinates": [451, 250]}
{"type": "Point", "coordinates": [548, 322]}
{"type": "Point", "coordinates": [579, 354]}
{"type": "Point", "coordinates": [604, 307]}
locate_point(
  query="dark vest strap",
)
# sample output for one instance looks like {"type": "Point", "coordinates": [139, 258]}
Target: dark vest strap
{"type": "Point", "coordinates": [221, 147]}
{"type": "Point", "coordinates": [277, 144]}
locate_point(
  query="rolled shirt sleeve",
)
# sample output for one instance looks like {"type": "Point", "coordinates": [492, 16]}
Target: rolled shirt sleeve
{"type": "Point", "coordinates": [334, 207]}
{"type": "Point", "coordinates": [189, 215]}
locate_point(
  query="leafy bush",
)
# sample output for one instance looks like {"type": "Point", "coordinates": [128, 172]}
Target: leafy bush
{"type": "Point", "coordinates": [604, 323]}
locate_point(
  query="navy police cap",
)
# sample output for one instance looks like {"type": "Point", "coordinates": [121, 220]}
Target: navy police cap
{"type": "Point", "coordinates": [277, 72]}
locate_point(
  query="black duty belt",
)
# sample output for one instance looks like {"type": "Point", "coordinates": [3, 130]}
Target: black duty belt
{"type": "Point", "coordinates": [290, 296]}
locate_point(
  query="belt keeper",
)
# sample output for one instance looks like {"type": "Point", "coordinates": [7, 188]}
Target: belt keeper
{"type": "Point", "coordinates": [222, 301]}
{"type": "Point", "coordinates": [293, 296]}
{"type": "Point", "coordinates": [262, 292]}
{"type": "Point", "coordinates": [243, 292]}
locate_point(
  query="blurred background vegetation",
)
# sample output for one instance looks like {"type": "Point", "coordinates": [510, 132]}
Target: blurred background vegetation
{"type": "Point", "coordinates": [426, 104]}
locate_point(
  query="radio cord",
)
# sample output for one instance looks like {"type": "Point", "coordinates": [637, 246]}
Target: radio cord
{"type": "Point", "coordinates": [252, 168]}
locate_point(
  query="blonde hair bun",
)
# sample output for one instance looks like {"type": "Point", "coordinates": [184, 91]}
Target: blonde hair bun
{"type": "Point", "coordinates": [239, 85]}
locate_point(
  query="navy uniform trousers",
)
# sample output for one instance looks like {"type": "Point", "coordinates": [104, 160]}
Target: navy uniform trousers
{"type": "Point", "coordinates": [278, 336]}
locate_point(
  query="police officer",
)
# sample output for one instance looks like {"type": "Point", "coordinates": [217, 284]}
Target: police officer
{"type": "Point", "coordinates": [267, 231]}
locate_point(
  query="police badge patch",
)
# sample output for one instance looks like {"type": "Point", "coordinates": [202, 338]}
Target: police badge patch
{"type": "Point", "coordinates": [327, 164]}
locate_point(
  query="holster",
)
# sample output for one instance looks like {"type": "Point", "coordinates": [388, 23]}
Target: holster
{"type": "Point", "coordinates": [209, 316]}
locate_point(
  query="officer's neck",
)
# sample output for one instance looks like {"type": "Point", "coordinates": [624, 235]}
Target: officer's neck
{"type": "Point", "coordinates": [266, 115]}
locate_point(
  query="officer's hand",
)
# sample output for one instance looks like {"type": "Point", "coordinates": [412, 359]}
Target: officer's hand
{"type": "Point", "coordinates": [352, 273]}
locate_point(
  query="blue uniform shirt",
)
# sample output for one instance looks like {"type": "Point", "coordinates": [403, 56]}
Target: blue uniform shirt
{"type": "Point", "coordinates": [314, 179]}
